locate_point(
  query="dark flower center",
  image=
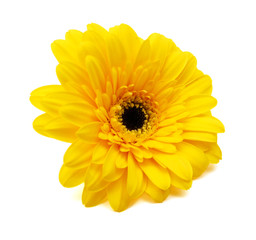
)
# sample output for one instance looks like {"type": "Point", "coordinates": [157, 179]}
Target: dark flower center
{"type": "Point", "coordinates": [133, 118]}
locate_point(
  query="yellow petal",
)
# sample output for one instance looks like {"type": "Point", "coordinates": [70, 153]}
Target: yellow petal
{"type": "Point", "coordinates": [203, 85]}
{"type": "Point", "coordinates": [89, 132]}
{"type": "Point", "coordinates": [116, 52]}
{"type": "Point", "coordinates": [200, 136]}
{"type": "Point", "coordinates": [176, 163]}
{"type": "Point", "coordinates": [160, 146]}
{"type": "Point", "coordinates": [117, 194]}
{"type": "Point", "coordinates": [180, 183]}
{"type": "Point", "coordinates": [121, 161]}
{"type": "Point", "coordinates": [96, 75]}
{"type": "Point", "coordinates": [175, 63]}
{"type": "Point", "coordinates": [167, 122]}
{"type": "Point", "coordinates": [52, 102]}
{"type": "Point", "coordinates": [146, 153]}
{"type": "Point", "coordinates": [202, 145]}
{"type": "Point", "coordinates": [92, 198]}
{"type": "Point", "coordinates": [71, 177]}
{"type": "Point", "coordinates": [67, 50]}
{"type": "Point", "coordinates": [165, 131]}
{"type": "Point", "coordinates": [74, 36]}
{"type": "Point", "coordinates": [78, 113]}
{"type": "Point", "coordinates": [185, 76]}
{"type": "Point", "coordinates": [135, 180]}
{"type": "Point", "coordinates": [56, 128]}
{"type": "Point", "coordinates": [69, 72]}
{"type": "Point", "coordinates": [174, 110]}
{"type": "Point", "coordinates": [212, 158]}
{"type": "Point", "coordinates": [129, 39]}
{"type": "Point", "coordinates": [97, 28]}
{"type": "Point", "coordinates": [140, 79]}
{"type": "Point", "coordinates": [93, 178]}
{"type": "Point", "coordinates": [160, 47]}
{"type": "Point", "coordinates": [110, 171]}
{"type": "Point", "coordinates": [164, 95]}
{"type": "Point", "coordinates": [140, 153]}
{"type": "Point", "coordinates": [214, 149]}
{"type": "Point", "coordinates": [203, 124]}
{"type": "Point", "coordinates": [78, 155]}
{"type": "Point", "coordinates": [106, 101]}
{"type": "Point", "coordinates": [38, 94]}
{"type": "Point", "coordinates": [93, 47]}
{"type": "Point", "coordinates": [195, 156]}
{"type": "Point", "coordinates": [157, 174]}
{"type": "Point", "coordinates": [155, 193]}
{"type": "Point", "coordinates": [72, 77]}
{"type": "Point", "coordinates": [40, 122]}
{"type": "Point", "coordinates": [199, 104]}
{"type": "Point", "coordinates": [99, 153]}
{"type": "Point", "coordinates": [170, 139]}
{"type": "Point", "coordinates": [96, 36]}
{"type": "Point", "coordinates": [143, 54]}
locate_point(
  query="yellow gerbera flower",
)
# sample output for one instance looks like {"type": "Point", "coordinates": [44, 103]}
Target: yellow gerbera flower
{"type": "Point", "coordinates": [137, 113]}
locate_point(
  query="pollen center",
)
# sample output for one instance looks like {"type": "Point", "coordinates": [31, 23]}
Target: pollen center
{"type": "Point", "coordinates": [133, 118]}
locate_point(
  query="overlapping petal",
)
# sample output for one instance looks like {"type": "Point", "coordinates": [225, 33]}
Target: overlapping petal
{"type": "Point", "coordinates": [157, 174]}
{"type": "Point", "coordinates": [71, 177]}
{"type": "Point", "coordinates": [78, 155]}
{"type": "Point", "coordinates": [117, 194]}
{"type": "Point", "coordinates": [55, 127]}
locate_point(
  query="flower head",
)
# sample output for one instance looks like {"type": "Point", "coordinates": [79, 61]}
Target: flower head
{"type": "Point", "coordinates": [136, 112]}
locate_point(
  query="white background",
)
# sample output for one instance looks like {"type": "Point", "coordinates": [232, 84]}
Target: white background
{"type": "Point", "coordinates": [220, 204]}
